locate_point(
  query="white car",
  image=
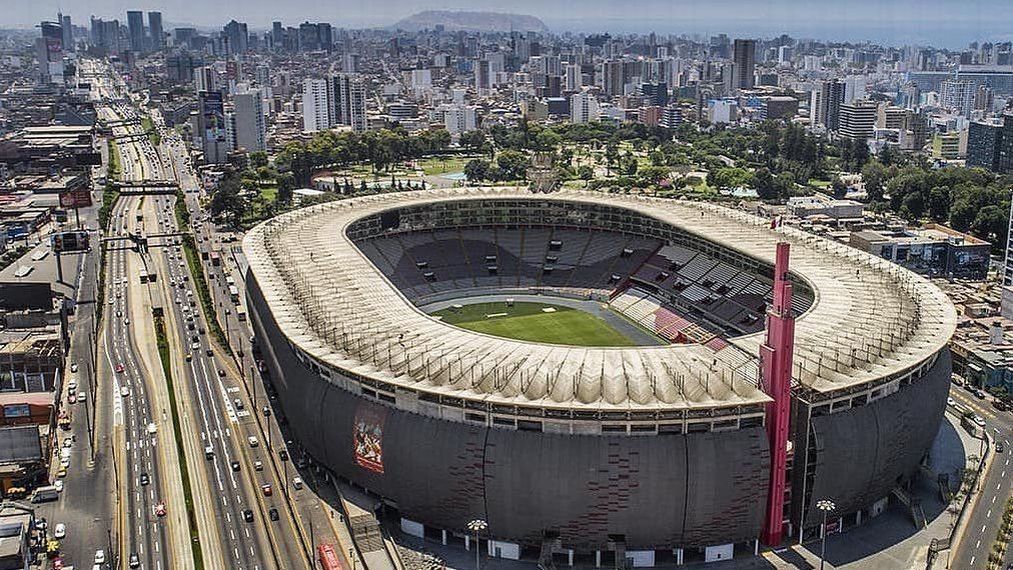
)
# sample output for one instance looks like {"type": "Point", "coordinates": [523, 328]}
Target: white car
{"type": "Point", "coordinates": [124, 391]}
{"type": "Point", "coordinates": [73, 367]}
{"type": "Point", "coordinates": [253, 441]}
{"type": "Point", "coordinates": [59, 485]}
{"type": "Point", "coordinates": [152, 428]}
{"type": "Point", "coordinates": [951, 402]}
{"type": "Point", "coordinates": [82, 397]}
{"type": "Point", "coordinates": [60, 530]}
{"type": "Point", "coordinates": [100, 557]}
{"type": "Point", "coordinates": [979, 420]}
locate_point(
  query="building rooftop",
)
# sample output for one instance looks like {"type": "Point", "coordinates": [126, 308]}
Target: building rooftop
{"type": "Point", "coordinates": [871, 320]}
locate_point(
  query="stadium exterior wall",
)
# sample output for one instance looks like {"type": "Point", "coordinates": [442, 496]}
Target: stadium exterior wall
{"type": "Point", "coordinates": [660, 491]}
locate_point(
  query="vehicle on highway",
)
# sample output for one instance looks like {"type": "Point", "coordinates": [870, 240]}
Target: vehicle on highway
{"type": "Point", "coordinates": [73, 367]}
{"type": "Point", "coordinates": [189, 357]}
{"type": "Point", "coordinates": [235, 466]}
{"type": "Point", "coordinates": [258, 465]}
{"type": "Point", "coordinates": [209, 352]}
{"type": "Point", "coordinates": [145, 479]}
{"type": "Point", "coordinates": [266, 489]}
{"type": "Point", "coordinates": [297, 482]}
{"type": "Point", "coordinates": [160, 509]}
{"type": "Point", "coordinates": [999, 447]}
{"type": "Point", "coordinates": [221, 373]}
{"type": "Point", "coordinates": [135, 561]}
{"type": "Point", "coordinates": [248, 515]}
{"type": "Point", "coordinates": [283, 455]}
{"type": "Point", "coordinates": [253, 441]}
{"type": "Point", "coordinates": [58, 484]}
{"type": "Point", "coordinates": [267, 411]}
{"type": "Point", "coordinates": [239, 404]}
{"type": "Point", "coordinates": [273, 513]}
{"type": "Point", "coordinates": [209, 452]}
{"type": "Point", "coordinates": [152, 428]}
{"type": "Point", "coordinates": [979, 420]}
{"type": "Point", "coordinates": [100, 556]}
{"type": "Point", "coordinates": [60, 530]}
{"type": "Point", "coordinates": [119, 368]}
{"type": "Point", "coordinates": [82, 397]}
{"type": "Point", "coordinates": [72, 399]}
{"type": "Point", "coordinates": [44, 494]}
{"type": "Point", "coordinates": [124, 391]}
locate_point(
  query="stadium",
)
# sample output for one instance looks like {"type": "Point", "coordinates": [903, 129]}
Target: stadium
{"type": "Point", "coordinates": [421, 347]}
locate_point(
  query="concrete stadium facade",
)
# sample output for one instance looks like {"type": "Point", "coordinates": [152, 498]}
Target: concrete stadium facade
{"type": "Point", "coordinates": [637, 475]}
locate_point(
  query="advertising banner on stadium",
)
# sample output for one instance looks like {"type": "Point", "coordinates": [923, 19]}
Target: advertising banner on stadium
{"type": "Point", "coordinates": [367, 437]}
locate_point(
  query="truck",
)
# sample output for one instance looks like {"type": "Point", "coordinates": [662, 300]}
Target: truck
{"type": "Point", "coordinates": [44, 494]}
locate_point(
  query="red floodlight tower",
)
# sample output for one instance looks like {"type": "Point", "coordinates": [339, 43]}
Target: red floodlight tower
{"type": "Point", "coordinates": [775, 359]}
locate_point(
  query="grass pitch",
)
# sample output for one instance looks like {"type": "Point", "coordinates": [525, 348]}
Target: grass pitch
{"type": "Point", "coordinates": [528, 321]}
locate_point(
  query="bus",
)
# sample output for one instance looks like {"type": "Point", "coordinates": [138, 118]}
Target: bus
{"type": "Point", "coordinates": [328, 557]}
{"type": "Point", "coordinates": [234, 294]}
{"type": "Point", "coordinates": [230, 281]}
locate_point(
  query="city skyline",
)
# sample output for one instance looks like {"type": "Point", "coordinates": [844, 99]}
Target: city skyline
{"type": "Point", "coordinates": [934, 23]}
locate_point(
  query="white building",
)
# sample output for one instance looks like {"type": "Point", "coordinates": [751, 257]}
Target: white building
{"type": "Point", "coordinates": [722, 111]}
{"type": "Point", "coordinates": [459, 118]}
{"type": "Point", "coordinates": [584, 108]}
{"type": "Point", "coordinates": [347, 94]}
{"type": "Point", "coordinates": [573, 78]}
{"type": "Point", "coordinates": [316, 111]}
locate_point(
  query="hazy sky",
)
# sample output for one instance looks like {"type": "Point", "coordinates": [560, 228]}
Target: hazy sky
{"type": "Point", "coordinates": [949, 23]}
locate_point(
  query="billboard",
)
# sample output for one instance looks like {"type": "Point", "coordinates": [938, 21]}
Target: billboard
{"type": "Point", "coordinates": [75, 198]}
{"type": "Point", "coordinates": [70, 241]}
{"type": "Point", "coordinates": [367, 438]}
{"type": "Point", "coordinates": [17, 411]}
{"type": "Point", "coordinates": [212, 109]}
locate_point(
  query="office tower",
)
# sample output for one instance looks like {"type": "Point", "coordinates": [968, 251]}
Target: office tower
{"type": "Point", "coordinates": [155, 30]}
{"type": "Point", "coordinates": [854, 88]}
{"type": "Point", "coordinates": [236, 37]}
{"type": "Point", "coordinates": [309, 37]}
{"type": "Point", "coordinates": [67, 38]}
{"type": "Point", "coordinates": [49, 53]}
{"type": "Point", "coordinates": [206, 79]}
{"type": "Point", "coordinates": [248, 121]}
{"type": "Point", "coordinates": [744, 60]}
{"type": "Point", "coordinates": [784, 54]}
{"type": "Point", "coordinates": [984, 142]}
{"type": "Point", "coordinates": [277, 36]}
{"type": "Point", "coordinates": [212, 126]}
{"type": "Point", "coordinates": [348, 101]}
{"type": "Point", "coordinates": [671, 117]}
{"type": "Point", "coordinates": [262, 75]}
{"type": "Point", "coordinates": [179, 67]}
{"type": "Point", "coordinates": [350, 63]}
{"type": "Point", "coordinates": [826, 104]}
{"type": "Point", "coordinates": [857, 120]}
{"type": "Point", "coordinates": [656, 92]}
{"type": "Point", "coordinates": [915, 132]}
{"type": "Point", "coordinates": [584, 108]}
{"type": "Point", "coordinates": [573, 78]}
{"type": "Point", "coordinates": [483, 80]}
{"type": "Point", "coordinates": [135, 29]}
{"type": "Point", "coordinates": [612, 78]}
{"type": "Point", "coordinates": [958, 95]}
{"type": "Point", "coordinates": [316, 108]}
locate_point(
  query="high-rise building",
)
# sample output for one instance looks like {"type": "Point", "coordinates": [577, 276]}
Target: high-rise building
{"type": "Point", "coordinates": [612, 78]}
{"type": "Point", "coordinates": [483, 80]}
{"type": "Point", "coordinates": [316, 108]}
{"type": "Point", "coordinates": [984, 141]}
{"type": "Point", "coordinates": [854, 88]}
{"type": "Point", "coordinates": [68, 32]}
{"type": "Point", "coordinates": [135, 29]}
{"type": "Point", "coordinates": [459, 118]}
{"type": "Point", "coordinates": [744, 60]}
{"type": "Point", "coordinates": [155, 30]}
{"type": "Point", "coordinates": [573, 77]}
{"type": "Point", "coordinates": [236, 37]}
{"type": "Point", "coordinates": [671, 117]}
{"type": "Point", "coordinates": [206, 79]}
{"type": "Point", "coordinates": [277, 36]}
{"type": "Point", "coordinates": [248, 117]}
{"type": "Point", "coordinates": [857, 120]}
{"type": "Point", "coordinates": [212, 129]}
{"type": "Point", "coordinates": [584, 108]}
{"type": "Point", "coordinates": [958, 95]}
{"type": "Point", "coordinates": [825, 105]}
{"type": "Point", "coordinates": [49, 53]}
{"type": "Point", "coordinates": [347, 92]}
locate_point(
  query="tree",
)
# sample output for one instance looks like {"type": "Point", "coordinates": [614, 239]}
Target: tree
{"type": "Point", "coordinates": [226, 203]}
{"type": "Point", "coordinates": [513, 165]}
{"type": "Point", "coordinates": [763, 182]}
{"type": "Point", "coordinates": [472, 140]}
{"type": "Point", "coordinates": [286, 188]}
{"type": "Point", "coordinates": [476, 170]}
{"type": "Point", "coordinates": [874, 175]}
{"type": "Point", "coordinates": [258, 159]}
{"type": "Point", "coordinates": [840, 189]}
{"type": "Point", "coordinates": [585, 172]}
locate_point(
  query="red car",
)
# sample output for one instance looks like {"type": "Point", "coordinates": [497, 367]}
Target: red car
{"type": "Point", "coordinates": [267, 490]}
{"type": "Point", "coordinates": [119, 368]}
{"type": "Point", "coordinates": [160, 509]}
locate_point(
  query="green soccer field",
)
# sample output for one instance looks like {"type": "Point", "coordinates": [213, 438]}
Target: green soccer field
{"type": "Point", "coordinates": [527, 321]}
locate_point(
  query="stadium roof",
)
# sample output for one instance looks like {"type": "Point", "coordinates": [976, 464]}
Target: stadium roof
{"type": "Point", "coordinates": [870, 319]}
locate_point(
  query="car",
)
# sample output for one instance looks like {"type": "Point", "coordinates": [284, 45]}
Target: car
{"type": "Point", "coordinates": [60, 530]}
{"type": "Point", "coordinates": [189, 357]}
{"type": "Point", "coordinates": [283, 455]}
{"type": "Point", "coordinates": [124, 391]}
{"type": "Point", "coordinates": [73, 367]}
{"type": "Point", "coordinates": [979, 394]}
{"type": "Point", "coordinates": [152, 428]}
{"type": "Point", "coordinates": [72, 399]}
{"type": "Point", "coordinates": [239, 404]}
{"type": "Point", "coordinates": [59, 485]}
{"type": "Point", "coordinates": [41, 523]}
{"type": "Point", "coordinates": [297, 482]}
{"type": "Point", "coordinates": [209, 452]}
{"type": "Point", "coordinates": [979, 420]}
{"type": "Point", "coordinates": [252, 440]}
{"type": "Point", "coordinates": [145, 479]}
{"type": "Point", "coordinates": [267, 411]}
{"type": "Point", "coordinates": [235, 465]}
{"type": "Point", "coordinates": [951, 402]}
{"type": "Point", "coordinates": [1000, 405]}
{"type": "Point", "coordinates": [999, 447]}
{"type": "Point", "coordinates": [119, 368]}
{"type": "Point", "coordinates": [273, 513]}
{"type": "Point", "coordinates": [195, 345]}
{"type": "Point", "coordinates": [221, 373]}
{"type": "Point", "coordinates": [100, 556]}
{"type": "Point", "coordinates": [134, 561]}
{"type": "Point", "coordinates": [160, 509]}
{"type": "Point", "coordinates": [258, 465]}
{"type": "Point", "coordinates": [248, 515]}
{"type": "Point", "coordinates": [126, 321]}
{"type": "Point", "coordinates": [209, 352]}
{"type": "Point", "coordinates": [119, 314]}
{"type": "Point", "coordinates": [82, 397]}
{"type": "Point", "coordinates": [68, 442]}
{"type": "Point", "coordinates": [266, 489]}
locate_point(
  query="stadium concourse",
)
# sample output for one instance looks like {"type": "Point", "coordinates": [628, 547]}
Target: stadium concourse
{"type": "Point", "coordinates": [657, 453]}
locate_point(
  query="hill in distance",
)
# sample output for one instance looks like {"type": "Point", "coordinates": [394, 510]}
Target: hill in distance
{"type": "Point", "coordinates": [471, 21]}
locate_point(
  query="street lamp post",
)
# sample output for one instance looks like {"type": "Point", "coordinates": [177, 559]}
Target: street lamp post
{"type": "Point", "coordinates": [825, 505]}
{"type": "Point", "coordinates": [476, 526]}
